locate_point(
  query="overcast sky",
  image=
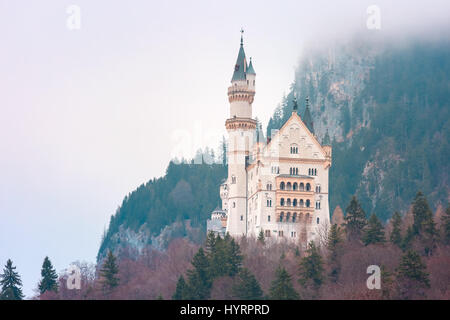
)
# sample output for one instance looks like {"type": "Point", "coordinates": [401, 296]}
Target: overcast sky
{"type": "Point", "coordinates": [88, 115]}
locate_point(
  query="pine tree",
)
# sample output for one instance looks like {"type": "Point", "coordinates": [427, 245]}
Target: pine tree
{"type": "Point", "coordinates": [374, 232]}
{"type": "Point", "coordinates": [412, 268]}
{"type": "Point", "coordinates": [247, 287]}
{"type": "Point", "coordinates": [199, 280]}
{"type": "Point", "coordinates": [235, 258]}
{"type": "Point", "coordinates": [445, 224]}
{"type": "Point", "coordinates": [311, 267]}
{"type": "Point", "coordinates": [333, 244]}
{"type": "Point", "coordinates": [181, 290]}
{"type": "Point", "coordinates": [282, 288]}
{"type": "Point", "coordinates": [355, 220]}
{"type": "Point", "coordinates": [396, 236]}
{"type": "Point", "coordinates": [10, 283]}
{"type": "Point", "coordinates": [424, 225]}
{"type": "Point", "coordinates": [49, 281]}
{"type": "Point", "coordinates": [261, 238]}
{"type": "Point", "coordinates": [109, 272]}
{"type": "Point", "coordinates": [421, 212]}
{"type": "Point", "coordinates": [408, 239]}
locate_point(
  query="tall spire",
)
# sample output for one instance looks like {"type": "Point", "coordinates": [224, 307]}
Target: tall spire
{"type": "Point", "coordinates": [295, 107]}
{"type": "Point", "coordinates": [326, 139]}
{"type": "Point", "coordinates": [240, 68]}
{"type": "Point", "coordinates": [307, 119]}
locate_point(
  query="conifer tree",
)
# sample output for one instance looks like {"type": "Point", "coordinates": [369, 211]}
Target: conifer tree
{"type": "Point", "coordinates": [412, 268]}
{"type": "Point", "coordinates": [355, 220]}
{"type": "Point", "coordinates": [374, 232]}
{"type": "Point", "coordinates": [181, 290]}
{"type": "Point", "coordinates": [210, 243]}
{"type": "Point", "coordinates": [199, 280]}
{"type": "Point", "coordinates": [49, 281]}
{"type": "Point", "coordinates": [109, 272]}
{"type": "Point", "coordinates": [408, 239]}
{"type": "Point", "coordinates": [246, 286]}
{"type": "Point", "coordinates": [421, 212]}
{"type": "Point", "coordinates": [311, 268]}
{"type": "Point", "coordinates": [445, 224]}
{"type": "Point", "coordinates": [235, 258]}
{"type": "Point", "coordinates": [282, 288]}
{"type": "Point", "coordinates": [424, 225]}
{"type": "Point", "coordinates": [261, 238]}
{"type": "Point", "coordinates": [10, 283]}
{"type": "Point", "coordinates": [396, 236]}
{"type": "Point", "coordinates": [333, 244]}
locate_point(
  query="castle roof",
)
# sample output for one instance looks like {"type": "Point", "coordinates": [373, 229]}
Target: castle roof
{"type": "Point", "coordinates": [326, 139]}
{"type": "Point", "coordinates": [250, 69]}
{"type": "Point", "coordinates": [240, 67]}
{"type": "Point", "coordinates": [307, 119]}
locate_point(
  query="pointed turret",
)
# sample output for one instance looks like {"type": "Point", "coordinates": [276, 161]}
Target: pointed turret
{"type": "Point", "coordinates": [250, 69]}
{"type": "Point", "coordinates": [240, 68]}
{"type": "Point", "coordinates": [307, 119]}
{"type": "Point", "coordinates": [326, 139]}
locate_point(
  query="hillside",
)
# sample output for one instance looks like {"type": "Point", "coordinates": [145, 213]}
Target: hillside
{"type": "Point", "coordinates": [387, 109]}
{"type": "Point", "coordinates": [174, 205]}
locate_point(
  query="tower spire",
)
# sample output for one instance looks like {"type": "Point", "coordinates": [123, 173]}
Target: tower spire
{"type": "Point", "coordinates": [242, 37]}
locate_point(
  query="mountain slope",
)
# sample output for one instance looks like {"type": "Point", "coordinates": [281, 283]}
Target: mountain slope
{"type": "Point", "coordinates": [387, 108]}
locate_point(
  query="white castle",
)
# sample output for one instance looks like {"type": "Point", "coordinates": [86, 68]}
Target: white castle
{"type": "Point", "coordinates": [278, 186]}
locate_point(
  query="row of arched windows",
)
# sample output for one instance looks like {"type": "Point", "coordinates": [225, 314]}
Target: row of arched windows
{"type": "Point", "coordinates": [293, 171]}
{"type": "Point", "coordinates": [295, 186]}
{"type": "Point", "coordinates": [295, 203]}
{"type": "Point", "coordinates": [312, 172]}
{"type": "Point", "coordinates": [294, 149]}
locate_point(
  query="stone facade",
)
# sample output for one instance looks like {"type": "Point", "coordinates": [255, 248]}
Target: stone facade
{"type": "Point", "coordinates": [280, 185]}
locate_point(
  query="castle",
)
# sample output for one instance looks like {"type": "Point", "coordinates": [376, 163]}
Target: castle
{"type": "Point", "coordinates": [278, 186]}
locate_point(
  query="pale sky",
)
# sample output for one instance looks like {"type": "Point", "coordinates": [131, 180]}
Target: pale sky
{"type": "Point", "coordinates": [88, 115]}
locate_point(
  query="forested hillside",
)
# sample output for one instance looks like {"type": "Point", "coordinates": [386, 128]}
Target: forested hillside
{"type": "Point", "coordinates": [188, 191]}
{"type": "Point", "coordinates": [387, 110]}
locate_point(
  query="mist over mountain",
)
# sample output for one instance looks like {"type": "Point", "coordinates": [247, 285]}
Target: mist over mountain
{"type": "Point", "coordinates": [385, 105]}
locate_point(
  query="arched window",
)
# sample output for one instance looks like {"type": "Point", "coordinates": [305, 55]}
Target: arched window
{"type": "Point", "coordinates": [294, 216]}
{"type": "Point", "coordinates": [281, 216]}
{"type": "Point", "coordinates": [282, 185]}
{"type": "Point", "coordinates": [288, 202]}
{"type": "Point", "coordinates": [294, 203]}
{"type": "Point", "coordinates": [308, 203]}
{"type": "Point", "coordinates": [296, 171]}
{"type": "Point", "coordinates": [282, 202]}
{"type": "Point", "coordinates": [302, 186]}
{"type": "Point", "coordinates": [315, 172]}
{"type": "Point", "coordinates": [234, 204]}
{"type": "Point", "coordinates": [309, 171]}
{"type": "Point", "coordinates": [288, 186]}
{"type": "Point", "coordinates": [301, 203]}
{"type": "Point", "coordinates": [233, 179]}
{"type": "Point", "coordinates": [318, 220]}
{"type": "Point", "coordinates": [290, 170]}
{"type": "Point", "coordinates": [308, 187]}
{"type": "Point", "coordinates": [288, 215]}
{"type": "Point", "coordinates": [295, 186]}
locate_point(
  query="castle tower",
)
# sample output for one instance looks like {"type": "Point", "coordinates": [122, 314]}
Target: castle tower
{"type": "Point", "coordinates": [240, 127]}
